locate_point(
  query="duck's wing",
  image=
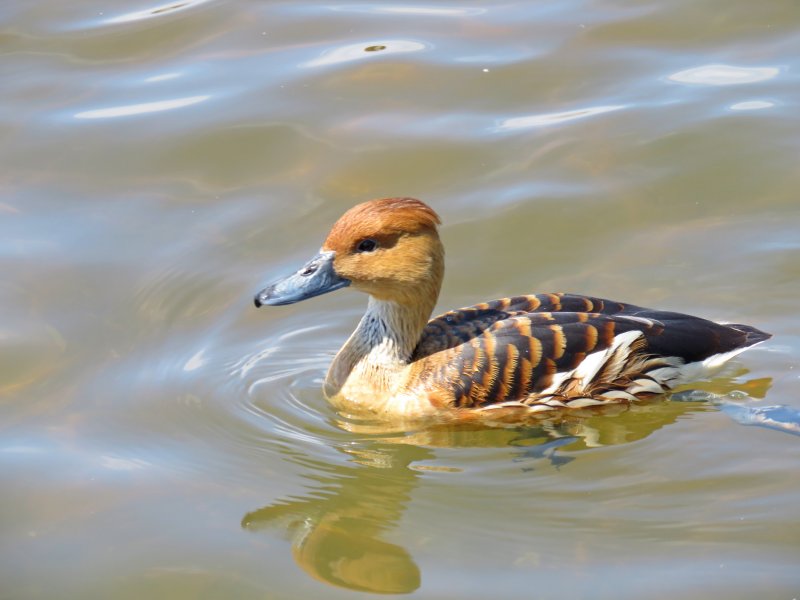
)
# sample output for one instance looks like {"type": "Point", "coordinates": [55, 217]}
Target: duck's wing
{"type": "Point", "coordinates": [455, 327]}
{"type": "Point", "coordinates": [500, 352]}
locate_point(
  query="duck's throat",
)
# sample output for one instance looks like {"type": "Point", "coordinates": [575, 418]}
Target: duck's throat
{"type": "Point", "coordinates": [379, 349]}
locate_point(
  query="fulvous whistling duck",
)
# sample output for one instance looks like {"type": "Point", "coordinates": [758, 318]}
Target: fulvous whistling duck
{"type": "Point", "coordinates": [509, 357]}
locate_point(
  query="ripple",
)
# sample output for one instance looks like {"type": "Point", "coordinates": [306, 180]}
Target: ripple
{"type": "Point", "coordinates": [250, 375]}
{"type": "Point", "coordinates": [547, 119]}
{"type": "Point", "coordinates": [139, 109]}
{"type": "Point", "coordinates": [246, 364]}
{"type": "Point", "coordinates": [156, 11]}
{"type": "Point", "coordinates": [752, 105]}
{"type": "Point", "coordinates": [256, 397]}
{"type": "Point", "coordinates": [459, 126]}
{"type": "Point", "coordinates": [363, 50]}
{"type": "Point", "coordinates": [162, 77]}
{"type": "Point", "coordinates": [724, 75]}
{"type": "Point", "coordinates": [197, 361]}
{"type": "Point", "coordinates": [425, 11]}
{"type": "Point", "coordinates": [117, 463]}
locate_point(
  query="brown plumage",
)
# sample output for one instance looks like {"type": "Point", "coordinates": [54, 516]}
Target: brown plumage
{"type": "Point", "coordinates": [513, 356]}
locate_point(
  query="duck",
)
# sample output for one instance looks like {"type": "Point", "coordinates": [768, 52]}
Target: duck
{"type": "Point", "coordinates": [508, 358]}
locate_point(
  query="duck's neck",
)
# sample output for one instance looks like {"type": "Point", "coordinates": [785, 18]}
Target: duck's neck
{"type": "Point", "coordinates": [380, 348]}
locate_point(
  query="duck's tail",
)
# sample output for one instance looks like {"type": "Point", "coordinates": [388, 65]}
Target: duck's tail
{"type": "Point", "coordinates": [752, 336]}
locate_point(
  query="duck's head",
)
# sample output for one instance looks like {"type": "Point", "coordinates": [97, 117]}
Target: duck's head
{"type": "Point", "coordinates": [388, 248]}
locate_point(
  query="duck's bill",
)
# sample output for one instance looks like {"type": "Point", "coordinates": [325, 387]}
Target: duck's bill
{"type": "Point", "coordinates": [316, 277]}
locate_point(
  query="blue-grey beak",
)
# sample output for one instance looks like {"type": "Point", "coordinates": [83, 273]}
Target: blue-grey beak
{"type": "Point", "coordinates": [316, 277]}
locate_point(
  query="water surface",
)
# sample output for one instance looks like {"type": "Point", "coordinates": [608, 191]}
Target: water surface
{"type": "Point", "coordinates": [163, 161]}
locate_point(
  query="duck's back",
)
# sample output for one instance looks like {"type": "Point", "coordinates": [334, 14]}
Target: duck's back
{"type": "Point", "coordinates": [552, 350]}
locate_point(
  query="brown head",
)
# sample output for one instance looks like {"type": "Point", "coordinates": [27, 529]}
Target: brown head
{"type": "Point", "coordinates": [388, 248]}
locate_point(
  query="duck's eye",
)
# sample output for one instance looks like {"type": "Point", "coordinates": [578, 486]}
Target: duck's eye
{"type": "Point", "coordinates": [366, 245]}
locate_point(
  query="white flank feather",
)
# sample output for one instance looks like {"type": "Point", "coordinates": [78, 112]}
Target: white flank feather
{"type": "Point", "coordinates": [584, 402]}
{"type": "Point", "coordinates": [701, 369]}
{"type": "Point", "coordinates": [591, 365]}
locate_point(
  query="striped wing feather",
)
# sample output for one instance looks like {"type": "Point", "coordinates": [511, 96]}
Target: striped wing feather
{"type": "Point", "coordinates": [523, 348]}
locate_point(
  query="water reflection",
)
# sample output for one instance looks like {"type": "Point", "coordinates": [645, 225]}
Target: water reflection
{"type": "Point", "coordinates": [154, 11]}
{"type": "Point", "coordinates": [724, 75]}
{"type": "Point", "coordinates": [138, 109]}
{"type": "Point", "coordinates": [162, 77]}
{"type": "Point", "coordinates": [752, 105]}
{"type": "Point", "coordinates": [353, 52]}
{"type": "Point", "coordinates": [731, 399]}
{"type": "Point", "coordinates": [338, 527]}
{"type": "Point", "coordinates": [545, 119]}
{"type": "Point", "coordinates": [426, 11]}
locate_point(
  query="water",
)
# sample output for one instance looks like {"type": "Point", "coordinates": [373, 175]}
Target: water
{"type": "Point", "coordinates": [159, 437]}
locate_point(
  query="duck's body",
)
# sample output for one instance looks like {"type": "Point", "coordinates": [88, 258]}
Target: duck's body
{"type": "Point", "coordinates": [511, 357]}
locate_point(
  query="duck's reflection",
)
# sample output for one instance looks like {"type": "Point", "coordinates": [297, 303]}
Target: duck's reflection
{"type": "Point", "coordinates": [337, 528]}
